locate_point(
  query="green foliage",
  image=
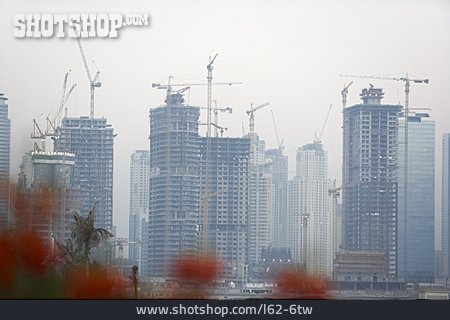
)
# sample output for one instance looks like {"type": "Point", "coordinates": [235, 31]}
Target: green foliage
{"type": "Point", "coordinates": [83, 238]}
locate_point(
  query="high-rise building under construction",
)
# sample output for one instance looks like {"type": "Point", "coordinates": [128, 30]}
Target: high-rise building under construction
{"type": "Point", "coordinates": [91, 140]}
{"type": "Point", "coordinates": [370, 181]}
{"type": "Point", "coordinates": [227, 202]}
{"type": "Point", "coordinates": [173, 228]}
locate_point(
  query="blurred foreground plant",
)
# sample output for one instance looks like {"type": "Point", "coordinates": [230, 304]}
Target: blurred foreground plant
{"type": "Point", "coordinates": [30, 267]}
{"type": "Point", "coordinates": [195, 274]}
{"type": "Point", "coordinates": [26, 267]}
{"type": "Point", "coordinates": [83, 238]}
{"type": "Point", "coordinates": [297, 284]}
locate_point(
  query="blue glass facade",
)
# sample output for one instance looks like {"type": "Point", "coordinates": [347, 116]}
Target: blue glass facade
{"type": "Point", "coordinates": [421, 197]}
{"type": "Point", "coordinates": [445, 225]}
{"type": "Point", "coordinates": [5, 136]}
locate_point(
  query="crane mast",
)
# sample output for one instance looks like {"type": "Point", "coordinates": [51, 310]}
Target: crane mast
{"type": "Point", "coordinates": [216, 110]}
{"type": "Point", "coordinates": [54, 121]}
{"type": "Point", "coordinates": [319, 138]}
{"type": "Point", "coordinates": [38, 134]}
{"type": "Point", "coordinates": [344, 93]}
{"type": "Point", "coordinates": [93, 82]}
{"type": "Point", "coordinates": [216, 117]}
{"type": "Point", "coordinates": [251, 113]}
{"type": "Point", "coordinates": [210, 68]}
{"type": "Point", "coordinates": [209, 78]}
{"type": "Point", "coordinates": [407, 80]}
{"type": "Point", "coordinates": [279, 143]}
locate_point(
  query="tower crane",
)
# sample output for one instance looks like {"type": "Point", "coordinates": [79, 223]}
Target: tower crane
{"type": "Point", "coordinates": [183, 90]}
{"type": "Point", "coordinates": [336, 192]}
{"type": "Point", "coordinates": [344, 93]}
{"type": "Point", "coordinates": [407, 80]}
{"type": "Point", "coordinates": [251, 113]}
{"type": "Point", "coordinates": [93, 81]}
{"type": "Point", "coordinates": [216, 116]}
{"type": "Point", "coordinates": [217, 127]}
{"type": "Point", "coordinates": [318, 139]}
{"type": "Point", "coordinates": [38, 134]}
{"type": "Point", "coordinates": [209, 78]}
{"type": "Point", "coordinates": [120, 243]}
{"type": "Point", "coordinates": [209, 84]}
{"type": "Point", "coordinates": [279, 143]}
{"type": "Point", "coordinates": [54, 121]}
{"type": "Point", "coordinates": [169, 86]}
{"type": "Point", "coordinates": [216, 110]}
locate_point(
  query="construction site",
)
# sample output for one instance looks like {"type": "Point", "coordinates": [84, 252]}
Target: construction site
{"type": "Point", "coordinates": [198, 189]}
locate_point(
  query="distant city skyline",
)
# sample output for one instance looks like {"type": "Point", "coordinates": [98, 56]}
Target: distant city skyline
{"type": "Point", "coordinates": [296, 48]}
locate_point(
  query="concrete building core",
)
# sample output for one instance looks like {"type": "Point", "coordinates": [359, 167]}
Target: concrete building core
{"type": "Point", "coordinates": [173, 228]}
{"type": "Point", "coordinates": [370, 214]}
{"type": "Point", "coordinates": [227, 204]}
{"type": "Point", "coordinates": [92, 142]}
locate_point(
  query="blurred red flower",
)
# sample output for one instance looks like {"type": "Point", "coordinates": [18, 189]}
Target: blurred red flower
{"type": "Point", "coordinates": [8, 257]}
{"type": "Point", "coordinates": [30, 267]}
{"type": "Point", "coordinates": [197, 268]}
{"type": "Point", "coordinates": [99, 284]}
{"type": "Point", "coordinates": [33, 253]}
{"type": "Point", "coordinates": [194, 274]}
{"type": "Point", "coordinates": [299, 285]}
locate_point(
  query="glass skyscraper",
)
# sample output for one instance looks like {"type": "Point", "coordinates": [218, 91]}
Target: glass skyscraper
{"type": "Point", "coordinates": [5, 136]}
{"type": "Point", "coordinates": [420, 206]}
{"type": "Point", "coordinates": [445, 205]}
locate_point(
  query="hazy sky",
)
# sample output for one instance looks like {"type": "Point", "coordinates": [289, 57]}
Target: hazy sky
{"type": "Point", "coordinates": [288, 53]}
